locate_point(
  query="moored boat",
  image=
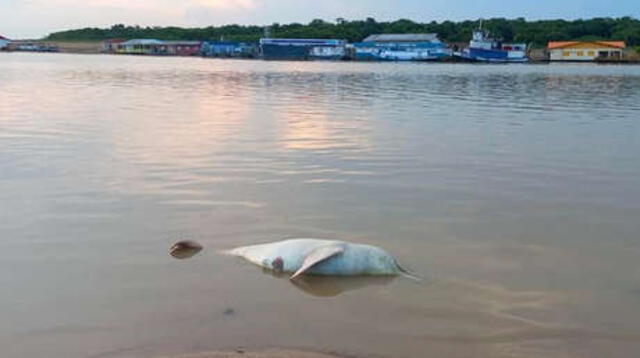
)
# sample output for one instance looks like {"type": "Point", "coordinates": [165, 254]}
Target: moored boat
{"type": "Point", "coordinates": [330, 53]}
{"type": "Point", "coordinates": [302, 49]}
{"type": "Point", "coordinates": [484, 48]}
{"type": "Point", "coordinates": [401, 47]}
{"type": "Point", "coordinates": [412, 55]}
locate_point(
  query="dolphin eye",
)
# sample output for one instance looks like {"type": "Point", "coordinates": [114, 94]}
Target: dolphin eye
{"type": "Point", "coordinates": [277, 264]}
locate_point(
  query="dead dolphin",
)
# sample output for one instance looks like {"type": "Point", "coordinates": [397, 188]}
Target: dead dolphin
{"type": "Point", "coordinates": [321, 257]}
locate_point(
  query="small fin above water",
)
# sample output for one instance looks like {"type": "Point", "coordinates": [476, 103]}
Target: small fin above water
{"type": "Point", "coordinates": [316, 256]}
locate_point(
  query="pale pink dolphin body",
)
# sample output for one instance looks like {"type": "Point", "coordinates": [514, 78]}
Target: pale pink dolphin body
{"type": "Point", "coordinates": [321, 257]}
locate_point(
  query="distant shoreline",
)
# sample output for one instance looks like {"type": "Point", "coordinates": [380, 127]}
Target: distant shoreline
{"type": "Point", "coordinates": [535, 33]}
{"type": "Point", "coordinates": [95, 48]}
{"type": "Point", "coordinates": [270, 353]}
{"type": "Point", "coordinates": [521, 39]}
{"type": "Point", "coordinates": [75, 47]}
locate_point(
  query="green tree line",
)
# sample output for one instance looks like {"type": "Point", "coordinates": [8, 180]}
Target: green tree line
{"type": "Point", "coordinates": [536, 33]}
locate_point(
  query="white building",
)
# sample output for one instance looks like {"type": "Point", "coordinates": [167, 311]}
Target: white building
{"type": "Point", "coordinates": [585, 51]}
{"type": "Point", "coordinates": [140, 46]}
{"type": "Point", "coordinates": [4, 42]}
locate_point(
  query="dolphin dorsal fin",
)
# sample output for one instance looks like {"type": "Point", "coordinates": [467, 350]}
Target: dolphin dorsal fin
{"type": "Point", "coordinates": [316, 256]}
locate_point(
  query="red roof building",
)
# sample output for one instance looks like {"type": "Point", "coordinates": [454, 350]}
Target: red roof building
{"type": "Point", "coordinates": [111, 45]}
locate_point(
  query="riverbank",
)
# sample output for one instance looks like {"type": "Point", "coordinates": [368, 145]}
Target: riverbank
{"type": "Point", "coordinates": [537, 56]}
{"type": "Point", "coordinates": [79, 47]}
{"type": "Point", "coordinates": [271, 353]}
{"type": "Point", "coordinates": [75, 47]}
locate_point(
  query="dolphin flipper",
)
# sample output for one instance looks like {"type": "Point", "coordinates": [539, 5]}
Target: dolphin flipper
{"type": "Point", "coordinates": [316, 256]}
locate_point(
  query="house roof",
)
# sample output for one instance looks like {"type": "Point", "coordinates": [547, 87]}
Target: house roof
{"type": "Point", "coordinates": [402, 38]}
{"type": "Point", "coordinates": [567, 44]}
{"type": "Point", "coordinates": [222, 43]}
{"type": "Point", "coordinates": [302, 42]}
{"type": "Point", "coordinates": [183, 43]}
{"type": "Point", "coordinates": [143, 42]}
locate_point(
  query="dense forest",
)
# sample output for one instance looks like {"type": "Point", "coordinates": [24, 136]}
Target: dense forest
{"type": "Point", "coordinates": [536, 33]}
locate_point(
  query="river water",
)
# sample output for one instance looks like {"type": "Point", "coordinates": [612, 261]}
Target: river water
{"type": "Point", "coordinates": [513, 190]}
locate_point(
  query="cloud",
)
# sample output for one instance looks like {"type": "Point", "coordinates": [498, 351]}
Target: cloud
{"type": "Point", "coordinates": [149, 5]}
{"type": "Point", "coordinates": [36, 18]}
{"type": "Point", "coordinates": [206, 12]}
{"type": "Point", "coordinates": [227, 4]}
{"type": "Point", "coordinates": [32, 18]}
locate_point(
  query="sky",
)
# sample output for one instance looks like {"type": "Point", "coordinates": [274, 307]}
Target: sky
{"type": "Point", "coordinates": [21, 19]}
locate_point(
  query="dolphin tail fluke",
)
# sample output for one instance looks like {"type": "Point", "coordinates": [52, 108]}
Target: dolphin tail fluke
{"type": "Point", "coordinates": [408, 274]}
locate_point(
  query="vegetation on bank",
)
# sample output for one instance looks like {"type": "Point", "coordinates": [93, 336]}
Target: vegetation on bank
{"type": "Point", "coordinates": [536, 33]}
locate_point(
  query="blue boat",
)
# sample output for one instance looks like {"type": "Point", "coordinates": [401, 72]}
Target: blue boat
{"type": "Point", "coordinates": [483, 48]}
{"type": "Point", "coordinates": [401, 47]}
{"type": "Point", "coordinates": [302, 49]}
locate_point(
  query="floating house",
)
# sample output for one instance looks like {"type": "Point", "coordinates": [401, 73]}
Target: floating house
{"type": "Point", "coordinates": [29, 46]}
{"type": "Point", "coordinates": [111, 45]}
{"type": "Point", "coordinates": [4, 43]}
{"type": "Point", "coordinates": [140, 47]}
{"type": "Point", "coordinates": [585, 51]}
{"type": "Point", "coordinates": [401, 47]}
{"type": "Point", "coordinates": [302, 49]}
{"type": "Point", "coordinates": [157, 47]}
{"type": "Point", "coordinates": [230, 49]}
{"type": "Point", "coordinates": [181, 48]}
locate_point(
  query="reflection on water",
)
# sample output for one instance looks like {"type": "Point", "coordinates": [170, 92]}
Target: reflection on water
{"type": "Point", "coordinates": [512, 189]}
{"type": "Point", "coordinates": [329, 286]}
{"type": "Point", "coordinates": [320, 286]}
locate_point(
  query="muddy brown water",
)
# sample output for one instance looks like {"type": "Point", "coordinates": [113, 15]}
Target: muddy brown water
{"type": "Point", "coordinates": [513, 190]}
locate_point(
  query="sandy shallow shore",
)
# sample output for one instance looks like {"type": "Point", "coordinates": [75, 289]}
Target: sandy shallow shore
{"type": "Point", "coordinates": [270, 353]}
{"type": "Point", "coordinates": [80, 47]}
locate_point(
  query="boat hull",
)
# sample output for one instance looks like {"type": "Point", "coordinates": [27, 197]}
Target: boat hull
{"type": "Point", "coordinates": [493, 55]}
{"type": "Point", "coordinates": [389, 55]}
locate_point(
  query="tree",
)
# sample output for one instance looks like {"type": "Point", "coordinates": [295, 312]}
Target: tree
{"type": "Point", "coordinates": [537, 33]}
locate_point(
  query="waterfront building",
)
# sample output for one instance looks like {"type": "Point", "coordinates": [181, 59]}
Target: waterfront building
{"type": "Point", "coordinates": [4, 43]}
{"type": "Point", "coordinates": [29, 46]}
{"type": "Point", "coordinates": [111, 45]}
{"type": "Point", "coordinates": [302, 49]}
{"type": "Point", "coordinates": [401, 47]}
{"type": "Point", "coordinates": [585, 50]}
{"type": "Point", "coordinates": [158, 47]}
{"type": "Point", "coordinates": [140, 47]}
{"type": "Point", "coordinates": [228, 49]}
{"type": "Point", "coordinates": [180, 48]}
